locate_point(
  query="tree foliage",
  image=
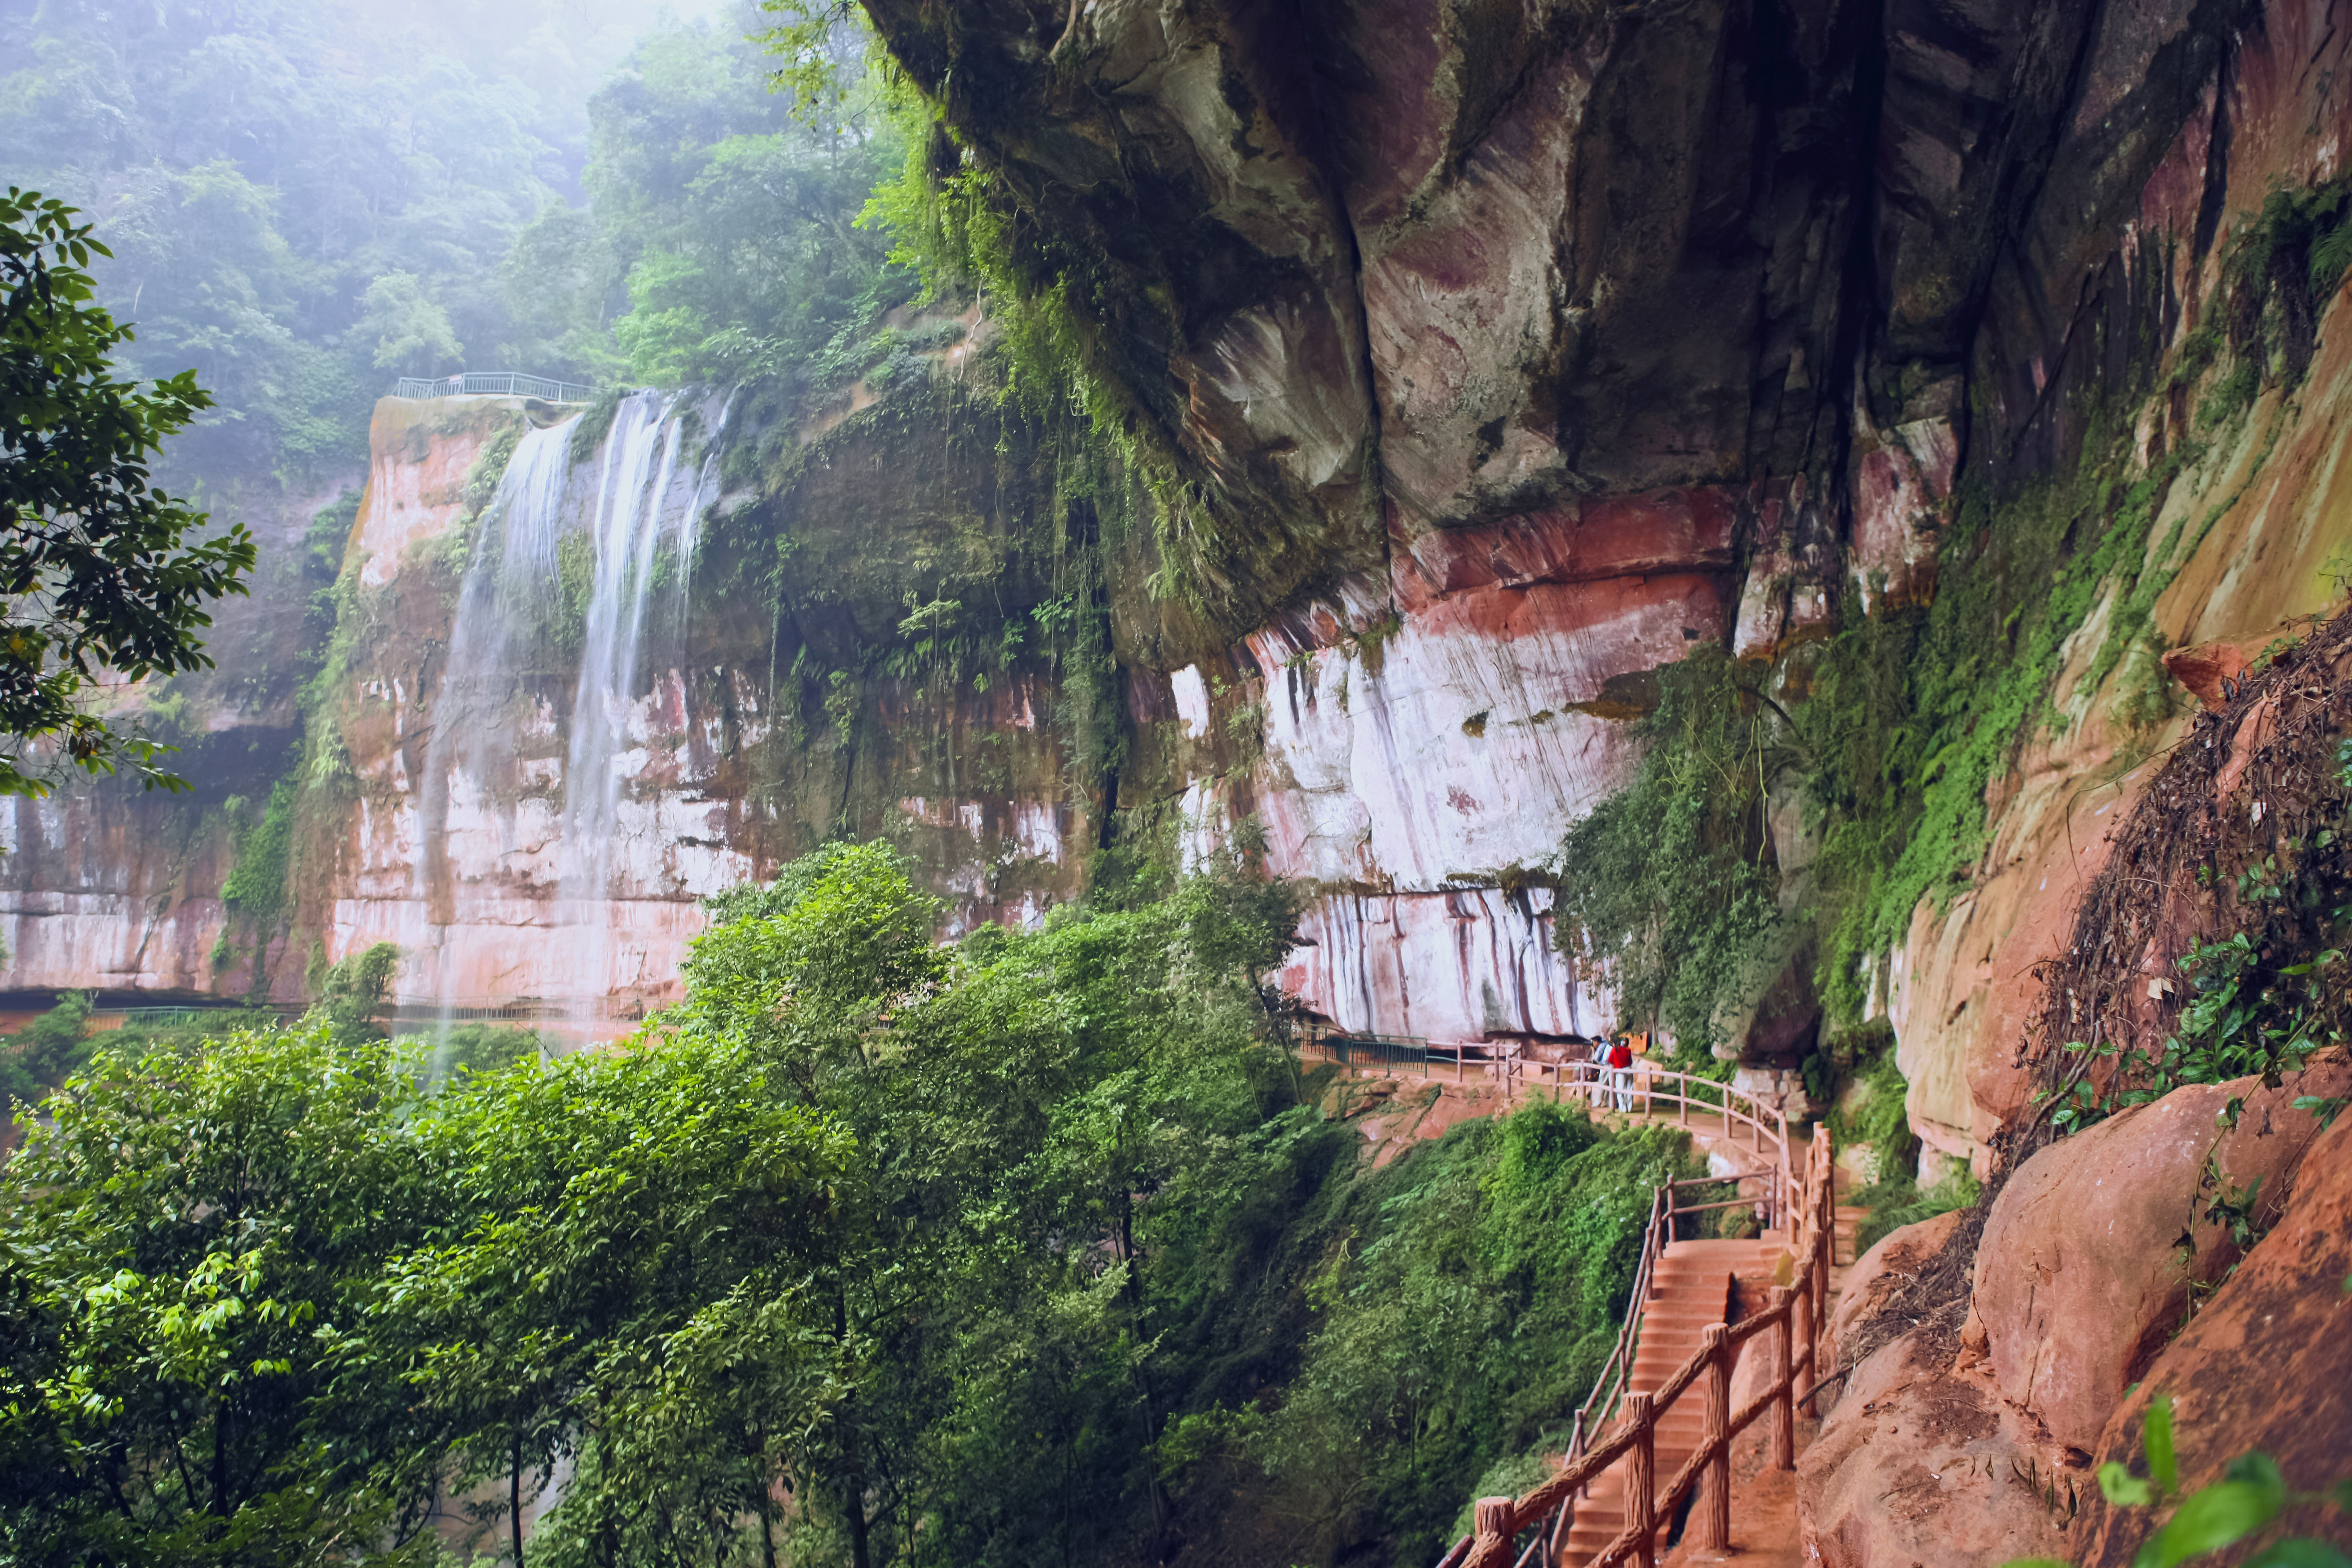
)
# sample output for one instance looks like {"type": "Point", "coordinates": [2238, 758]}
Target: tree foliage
{"type": "Point", "coordinates": [872, 1251]}
{"type": "Point", "coordinates": [302, 201]}
{"type": "Point", "coordinates": [98, 577]}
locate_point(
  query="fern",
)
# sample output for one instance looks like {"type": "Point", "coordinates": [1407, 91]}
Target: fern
{"type": "Point", "coordinates": [2331, 255]}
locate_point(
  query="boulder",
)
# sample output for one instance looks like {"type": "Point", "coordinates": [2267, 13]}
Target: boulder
{"type": "Point", "coordinates": [2204, 669]}
{"type": "Point", "coordinates": [1879, 1274]}
{"type": "Point", "coordinates": [2286, 1317]}
{"type": "Point", "coordinates": [1923, 1462]}
{"type": "Point", "coordinates": [1780, 1087]}
{"type": "Point", "coordinates": [2092, 1248]}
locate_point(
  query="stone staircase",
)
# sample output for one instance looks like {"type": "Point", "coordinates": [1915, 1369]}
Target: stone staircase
{"type": "Point", "coordinates": [1690, 1292]}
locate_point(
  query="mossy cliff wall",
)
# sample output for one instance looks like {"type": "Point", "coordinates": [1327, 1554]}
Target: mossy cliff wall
{"type": "Point", "coordinates": [108, 889]}
{"type": "Point", "coordinates": [1935, 361]}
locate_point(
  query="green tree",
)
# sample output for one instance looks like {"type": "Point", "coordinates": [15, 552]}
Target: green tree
{"type": "Point", "coordinates": [623, 1286]}
{"type": "Point", "coordinates": [184, 1240]}
{"type": "Point", "coordinates": [266, 1300]}
{"type": "Point", "coordinates": [37, 1057]}
{"type": "Point", "coordinates": [731, 225]}
{"type": "Point", "coordinates": [412, 332]}
{"type": "Point", "coordinates": [874, 1250]}
{"type": "Point", "coordinates": [356, 987]}
{"type": "Point", "coordinates": [99, 575]}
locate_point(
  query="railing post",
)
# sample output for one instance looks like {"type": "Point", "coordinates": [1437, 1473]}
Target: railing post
{"type": "Point", "coordinates": [1492, 1517]}
{"type": "Point", "coordinates": [1824, 1256]}
{"type": "Point", "coordinates": [1800, 1328]}
{"type": "Point", "coordinates": [1642, 1482]}
{"type": "Point", "coordinates": [1824, 1253]}
{"type": "Point", "coordinates": [1784, 1370]}
{"type": "Point", "coordinates": [1715, 1522]}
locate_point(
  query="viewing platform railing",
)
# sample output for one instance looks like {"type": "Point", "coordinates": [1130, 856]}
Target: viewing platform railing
{"type": "Point", "coordinates": [517, 1009]}
{"type": "Point", "coordinates": [494, 383]}
{"type": "Point", "coordinates": [103, 1018]}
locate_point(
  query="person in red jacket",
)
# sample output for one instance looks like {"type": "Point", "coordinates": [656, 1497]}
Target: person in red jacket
{"type": "Point", "coordinates": [1621, 1072]}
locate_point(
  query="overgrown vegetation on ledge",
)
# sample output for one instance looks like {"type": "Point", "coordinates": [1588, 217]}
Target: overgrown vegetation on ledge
{"type": "Point", "coordinates": [1879, 753]}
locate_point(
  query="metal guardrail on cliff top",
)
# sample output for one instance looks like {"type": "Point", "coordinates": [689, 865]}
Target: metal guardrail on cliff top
{"type": "Point", "coordinates": [519, 1009]}
{"type": "Point", "coordinates": [1795, 1318]}
{"type": "Point", "coordinates": [494, 383]}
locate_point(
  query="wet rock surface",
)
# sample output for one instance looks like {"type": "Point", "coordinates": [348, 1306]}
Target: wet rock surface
{"type": "Point", "coordinates": [1515, 353]}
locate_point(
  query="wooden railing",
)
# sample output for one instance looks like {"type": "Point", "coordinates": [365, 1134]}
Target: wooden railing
{"type": "Point", "coordinates": [1637, 1090]}
{"type": "Point", "coordinates": [1642, 1091]}
{"type": "Point", "coordinates": [1794, 1319]}
{"type": "Point", "coordinates": [1769, 1133]}
{"type": "Point", "coordinates": [1800, 1205]}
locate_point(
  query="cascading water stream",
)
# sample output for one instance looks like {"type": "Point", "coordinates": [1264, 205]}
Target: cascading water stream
{"type": "Point", "coordinates": [639, 507]}
{"type": "Point", "coordinates": [514, 540]}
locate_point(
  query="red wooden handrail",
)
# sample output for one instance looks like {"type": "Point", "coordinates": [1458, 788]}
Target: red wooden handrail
{"type": "Point", "coordinates": [1794, 1318]}
{"type": "Point", "coordinates": [1607, 1388]}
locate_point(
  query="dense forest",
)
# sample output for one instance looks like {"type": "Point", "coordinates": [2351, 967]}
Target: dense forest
{"type": "Point", "coordinates": [1035, 1247]}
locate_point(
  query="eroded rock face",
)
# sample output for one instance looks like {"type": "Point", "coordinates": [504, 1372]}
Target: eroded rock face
{"type": "Point", "coordinates": [106, 887]}
{"type": "Point", "coordinates": [1572, 252]}
{"type": "Point", "coordinates": [1516, 351]}
{"type": "Point", "coordinates": [2092, 1249]}
{"type": "Point", "coordinates": [2266, 1365]}
{"type": "Point", "coordinates": [1815, 267]}
{"type": "Point", "coordinates": [2181, 130]}
{"type": "Point", "coordinates": [1923, 1461]}
{"type": "Point", "coordinates": [110, 889]}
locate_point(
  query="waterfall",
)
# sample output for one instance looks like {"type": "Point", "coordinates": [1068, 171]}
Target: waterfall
{"type": "Point", "coordinates": [473, 712]}
{"type": "Point", "coordinates": [637, 509]}
{"type": "Point", "coordinates": [643, 501]}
